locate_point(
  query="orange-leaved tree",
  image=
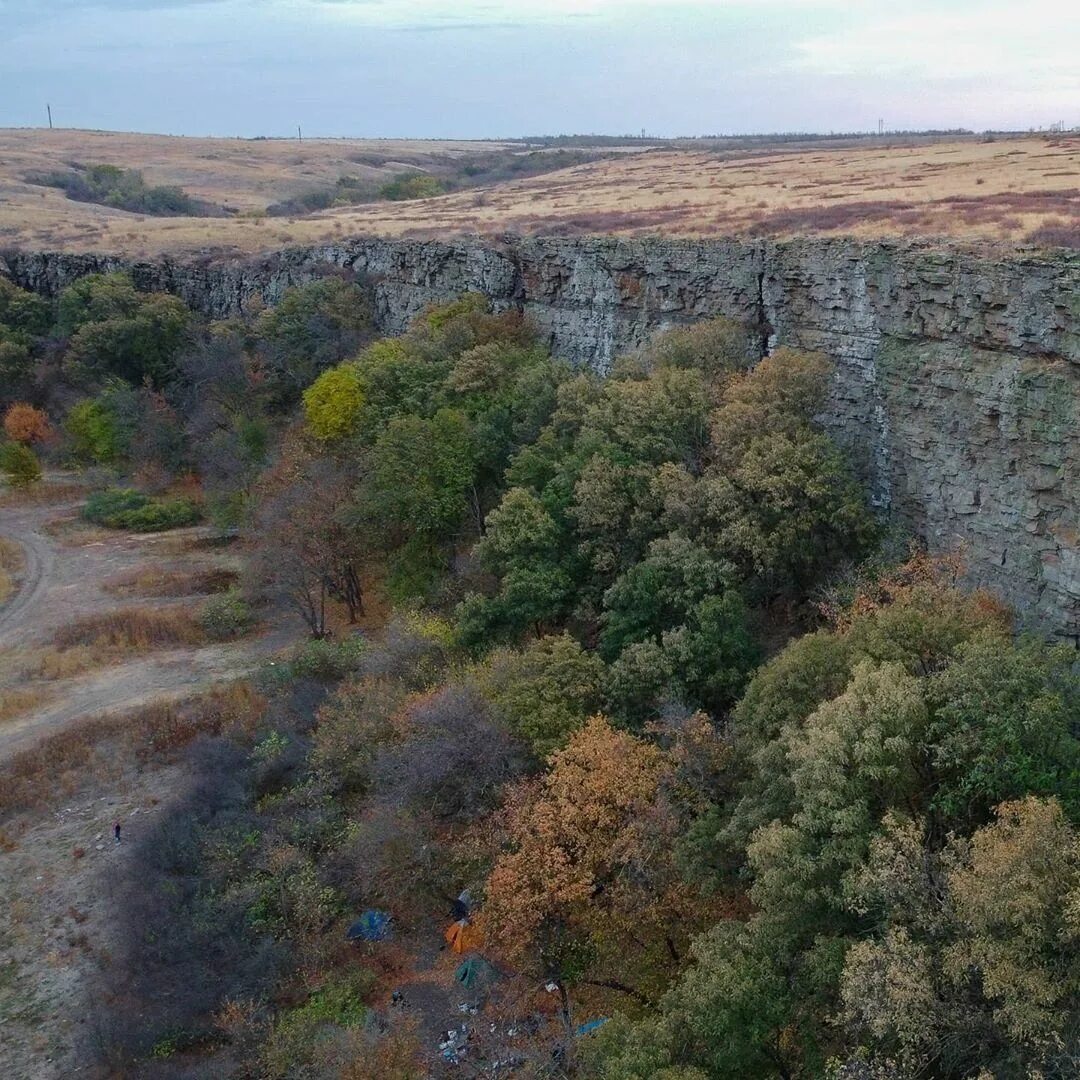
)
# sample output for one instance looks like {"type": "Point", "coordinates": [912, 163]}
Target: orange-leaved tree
{"type": "Point", "coordinates": [25, 424]}
{"type": "Point", "coordinates": [588, 891]}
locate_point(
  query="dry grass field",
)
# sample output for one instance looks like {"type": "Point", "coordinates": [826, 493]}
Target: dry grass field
{"type": "Point", "coordinates": [1023, 189]}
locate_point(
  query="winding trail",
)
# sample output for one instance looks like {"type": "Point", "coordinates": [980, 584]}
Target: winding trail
{"type": "Point", "coordinates": [39, 556]}
{"type": "Point", "coordinates": [63, 581]}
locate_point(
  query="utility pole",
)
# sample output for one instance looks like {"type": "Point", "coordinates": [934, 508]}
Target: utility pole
{"type": "Point", "coordinates": [880, 126]}
{"type": "Point", "coordinates": [298, 134]}
{"type": "Point", "coordinates": [48, 109]}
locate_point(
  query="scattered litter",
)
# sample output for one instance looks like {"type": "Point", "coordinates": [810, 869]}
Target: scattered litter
{"type": "Point", "coordinates": [551, 987]}
{"type": "Point", "coordinates": [453, 1046]}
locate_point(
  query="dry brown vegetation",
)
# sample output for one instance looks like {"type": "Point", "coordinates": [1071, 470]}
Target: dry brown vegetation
{"type": "Point", "coordinates": [99, 750]}
{"type": "Point", "coordinates": [131, 630]}
{"type": "Point", "coordinates": [42, 494]}
{"type": "Point", "coordinates": [20, 699]}
{"type": "Point", "coordinates": [11, 564]}
{"type": "Point", "coordinates": [1016, 189]}
{"type": "Point", "coordinates": [92, 641]}
{"type": "Point", "coordinates": [151, 580]}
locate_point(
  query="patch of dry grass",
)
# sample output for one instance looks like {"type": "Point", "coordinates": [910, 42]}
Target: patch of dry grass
{"type": "Point", "coordinates": [131, 630]}
{"type": "Point", "coordinates": [94, 641]}
{"type": "Point", "coordinates": [43, 494]}
{"type": "Point", "coordinates": [17, 700]}
{"type": "Point", "coordinates": [154, 581]}
{"type": "Point", "coordinates": [11, 566]}
{"type": "Point", "coordinates": [98, 751]}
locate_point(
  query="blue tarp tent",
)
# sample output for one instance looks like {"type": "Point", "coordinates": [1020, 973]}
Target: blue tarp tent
{"type": "Point", "coordinates": [591, 1026]}
{"type": "Point", "coordinates": [371, 926]}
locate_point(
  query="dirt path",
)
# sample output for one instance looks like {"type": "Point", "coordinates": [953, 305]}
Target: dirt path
{"type": "Point", "coordinates": [59, 928]}
{"type": "Point", "coordinates": [63, 580]}
{"type": "Point", "coordinates": [18, 615]}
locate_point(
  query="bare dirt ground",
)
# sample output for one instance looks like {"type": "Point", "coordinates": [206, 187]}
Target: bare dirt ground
{"type": "Point", "coordinates": [64, 580]}
{"type": "Point", "coordinates": [58, 927]}
{"type": "Point", "coordinates": [1016, 189]}
{"type": "Point", "coordinates": [58, 924]}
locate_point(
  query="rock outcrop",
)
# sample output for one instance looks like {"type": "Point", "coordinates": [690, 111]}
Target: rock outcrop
{"type": "Point", "coordinates": [958, 371]}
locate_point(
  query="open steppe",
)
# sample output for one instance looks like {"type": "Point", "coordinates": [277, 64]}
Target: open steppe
{"type": "Point", "coordinates": [1017, 189]}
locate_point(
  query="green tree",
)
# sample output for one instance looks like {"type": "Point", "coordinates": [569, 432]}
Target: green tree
{"type": "Point", "coordinates": [715, 347]}
{"type": "Point", "coordinates": [545, 691]}
{"type": "Point", "coordinates": [312, 328]}
{"type": "Point", "coordinates": [419, 495]}
{"type": "Point", "coordinates": [658, 593]}
{"type": "Point", "coordinates": [116, 330]}
{"type": "Point", "coordinates": [23, 312]}
{"type": "Point", "coordinates": [20, 465]}
{"type": "Point", "coordinates": [332, 403]}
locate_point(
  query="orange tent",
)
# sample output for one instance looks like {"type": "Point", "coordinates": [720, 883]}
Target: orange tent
{"type": "Point", "coordinates": [464, 936]}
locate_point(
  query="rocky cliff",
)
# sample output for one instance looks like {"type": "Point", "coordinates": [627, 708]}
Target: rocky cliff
{"type": "Point", "coordinates": [958, 372]}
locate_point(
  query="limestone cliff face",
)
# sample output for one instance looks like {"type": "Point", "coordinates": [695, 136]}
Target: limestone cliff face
{"type": "Point", "coordinates": [958, 372]}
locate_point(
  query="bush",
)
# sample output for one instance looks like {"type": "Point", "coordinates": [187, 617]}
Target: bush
{"type": "Point", "coordinates": [332, 403]}
{"type": "Point", "coordinates": [95, 432]}
{"type": "Point", "coordinates": [225, 616]}
{"type": "Point", "coordinates": [412, 186]}
{"type": "Point", "coordinates": [25, 424]}
{"type": "Point", "coordinates": [20, 465]}
{"type": "Point", "coordinates": [123, 189]}
{"type": "Point", "coordinates": [320, 659]}
{"type": "Point", "coordinates": [125, 508]}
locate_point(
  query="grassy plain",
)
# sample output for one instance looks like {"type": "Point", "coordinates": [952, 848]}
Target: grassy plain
{"type": "Point", "coordinates": [1022, 189]}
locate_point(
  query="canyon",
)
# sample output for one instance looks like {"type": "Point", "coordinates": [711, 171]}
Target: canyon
{"type": "Point", "coordinates": [957, 384]}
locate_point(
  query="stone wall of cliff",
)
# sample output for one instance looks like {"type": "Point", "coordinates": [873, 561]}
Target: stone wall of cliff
{"type": "Point", "coordinates": [958, 372]}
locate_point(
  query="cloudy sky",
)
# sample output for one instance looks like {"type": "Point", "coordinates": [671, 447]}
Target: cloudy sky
{"type": "Point", "coordinates": [475, 68]}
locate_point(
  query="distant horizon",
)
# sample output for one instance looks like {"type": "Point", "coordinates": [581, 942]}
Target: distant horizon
{"type": "Point", "coordinates": [429, 69]}
{"type": "Point", "coordinates": [550, 136]}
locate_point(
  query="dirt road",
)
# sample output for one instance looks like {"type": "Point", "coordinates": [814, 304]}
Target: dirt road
{"type": "Point", "coordinates": [63, 580]}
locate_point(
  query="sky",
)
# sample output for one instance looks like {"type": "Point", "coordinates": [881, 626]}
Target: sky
{"type": "Point", "coordinates": [488, 69]}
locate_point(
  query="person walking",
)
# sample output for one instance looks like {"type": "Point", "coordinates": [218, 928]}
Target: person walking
{"type": "Point", "coordinates": [116, 831]}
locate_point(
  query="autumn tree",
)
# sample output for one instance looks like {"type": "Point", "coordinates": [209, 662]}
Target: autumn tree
{"type": "Point", "coordinates": [587, 890]}
{"type": "Point", "coordinates": [974, 957]}
{"type": "Point", "coordinates": [304, 552]}
{"type": "Point", "coordinates": [25, 424]}
{"type": "Point", "coordinates": [333, 401]}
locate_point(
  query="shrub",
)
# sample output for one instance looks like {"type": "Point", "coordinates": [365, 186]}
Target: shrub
{"type": "Point", "coordinates": [95, 432]}
{"type": "Point", "coordinates": [411, 186]}
{"type": "Point", "coordinates": [225, 616]}
{"type": "Point", "coordinates": [333, 402]}
{"type": "Point", "coordinates": [19, 463]}
{"type": "Point", "coordinates": [299, 1033]}
{"type": "Point", "coordinates": [25, 424]}
{"type": "Point", "coordinates": [319, 659]}
{"type": "Point", "coordinates": [125, 508]}
{"type": "Point", "coordinates": [123, 189]}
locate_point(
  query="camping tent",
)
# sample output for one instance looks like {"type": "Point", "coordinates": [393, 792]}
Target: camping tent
{"type": "Point", "coordinates": [464, 936]}
{"type": "Point", "coordinates": [474, 972]}
{"type": "Point", "coordinates": [371, 926]}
